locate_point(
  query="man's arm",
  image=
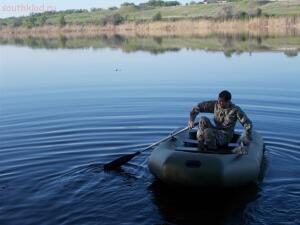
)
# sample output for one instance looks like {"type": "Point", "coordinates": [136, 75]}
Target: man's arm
{"type": "Point", "coordinates": [207, 107]}
{"type": "Point", "coordinates": [246, 122]}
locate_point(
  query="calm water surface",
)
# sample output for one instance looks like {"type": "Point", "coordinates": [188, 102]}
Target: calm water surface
{"type": "Point", "coordinates": [64, 113]}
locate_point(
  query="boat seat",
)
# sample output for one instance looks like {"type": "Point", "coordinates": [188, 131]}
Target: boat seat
{"type": "Point", "coordinates": [196, 150]}
{"type": "Point", "coordinates": [187, 149]}
{"type": "Point", "coordinates": [190, 143]}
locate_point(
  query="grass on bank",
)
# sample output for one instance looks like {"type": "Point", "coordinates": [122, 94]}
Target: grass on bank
{"type": "Point", "coordinates": [238, 10]}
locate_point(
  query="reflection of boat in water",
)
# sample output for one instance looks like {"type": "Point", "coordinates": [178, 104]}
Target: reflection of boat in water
{"type": "Point", "coordinates": [202, 206]}
{"type": "Point", "coordinates": [179, 161]}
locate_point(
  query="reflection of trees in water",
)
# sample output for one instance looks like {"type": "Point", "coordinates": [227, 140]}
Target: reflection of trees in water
{"type": "Point", "coordinates": [291, 53]}
{"type": "Point", "coordinates": [158, 51]}
{"type": "Point", "coordinates": [228, 53]}
{"type": "Point", "coordinates": [202, 206]}
{"type": "Point", "coordinates": [259, 40]}
{"type": "Point", "coordinates": [158, 40]}
{"type": "Point", "coordinates": [153, 45]}
{"type": "Point", "coordinates": [114, 40]}
{"type": "Point", "coordinates": [63, 41]}
{"type": "Point", "coordinates": [228, 43]}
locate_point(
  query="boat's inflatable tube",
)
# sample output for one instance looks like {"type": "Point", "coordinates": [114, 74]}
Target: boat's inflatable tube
{"type": "Point", "coordinates": [174, 162]}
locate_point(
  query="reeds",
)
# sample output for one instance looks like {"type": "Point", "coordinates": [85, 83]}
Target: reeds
{"type": "Point", "coordinates": [275, 26]}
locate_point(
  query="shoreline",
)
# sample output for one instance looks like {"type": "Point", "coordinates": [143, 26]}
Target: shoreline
{"type": "Point", "coordinates": [278, 26]}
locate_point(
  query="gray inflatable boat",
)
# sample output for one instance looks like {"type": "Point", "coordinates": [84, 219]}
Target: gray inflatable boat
{"type": "Point", "coordinates": [179, 161]}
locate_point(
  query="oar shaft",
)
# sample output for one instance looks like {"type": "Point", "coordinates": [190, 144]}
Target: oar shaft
{"type": "Point", "coordinates": [166, 138]}
{"type": "Point", "coordinates": [126, 158]}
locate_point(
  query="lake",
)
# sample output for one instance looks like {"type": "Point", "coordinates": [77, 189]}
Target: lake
{"type": "Point", "coordinates": [68, 106]}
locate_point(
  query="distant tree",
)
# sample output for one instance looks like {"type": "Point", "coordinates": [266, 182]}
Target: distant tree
{"type": "Point", "coordinates": [258, 12]}
{"type": "Point", "coordinates": [30, 21]}
{"type": "Point", "coordinates": [50, 12]}
{"type": "Point", "coordinates": [43, 20]}
{"type": "Point", "coordinates": [157, 3]}
{"type": "Point", "coordinates": [96, 9]}
{"type": "Point", "coordinates": [114, 19]}
{"type": "Point", "coordinates": [62, 21]}
{"type": "Point", "coordinates": [3, 24]}
{"type": "Point", "coordinates": [241, 15]}
{"type": "Point", "coordinates": [17, 22]}
{"type": "Point", "coordinates": [128, 4]}
{"type": "Point", "coordinates": [171, 3]}
{"type": "Point", "coordinates": [71, 11]}
{"type": "Point", "coordinates": [113, 8]}
{"type": "Point", "coordinates": [144, 6]}
{"type": "Point", "coordinates": [157, 17]}
{"type": "Point", "coordinates": [226, 12]}
{"type": "Point", "coordinates": [128, 7]}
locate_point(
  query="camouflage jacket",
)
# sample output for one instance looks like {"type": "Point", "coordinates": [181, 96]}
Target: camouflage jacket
{"type": "Point", "coordinates": [225, 119]}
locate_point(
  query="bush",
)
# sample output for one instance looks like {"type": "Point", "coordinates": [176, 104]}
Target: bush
{"type": "Point", "coordinates": [71, 11]}
{"type": "Point", "coordinates": [226, 12]}
{"type": "Point", "coordinates": [17, 22]}
{"type": "Point", "coordinates": [3, 24]}
{"type": "Point", "coordinates": [96, 9]}
{"type": "Point", "coordinates": [127, 4]}
{"type": "Point", "coordinates": [62, 21]}
{"type": "Point", "coordinates": [114, 19]}
{"type": "Point", "coordinates": [258, 12]}
{"type": "Point", "coordinates": [157, 17]}
{"type": "Point", "coordinates": [156, 3]}
{"type": "Point", "coordinates": [113, 8]}
{"type": "Point", "coordinates": [43, 20]}
{"type": "Point", "coordinates": [241, 15]}
{"type": "Point", "coordinates": [30, 22]}
{"type": "Point", "coordinates": [171, 3]}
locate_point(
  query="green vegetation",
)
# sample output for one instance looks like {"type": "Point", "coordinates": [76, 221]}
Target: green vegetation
{"type": "Point", "coordinates": [114, 19]}
{"type": "Point", "coordinates": [157, 17]}
{"type": "Point", "coordinates": [30, 21]}
{"type": "Point", "coordinates": [62, 21]}
{"type": "Point", "coordinates": [229, 44]}
{"type": "Point", "coordinates": [158, 10]}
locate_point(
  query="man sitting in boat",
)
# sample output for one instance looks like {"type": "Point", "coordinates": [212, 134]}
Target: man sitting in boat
{"type": "Point", "coordinates": [225, 116]}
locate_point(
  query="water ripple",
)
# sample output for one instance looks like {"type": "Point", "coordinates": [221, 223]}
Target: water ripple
{"type": "Point", "coordinates": [52, 157]}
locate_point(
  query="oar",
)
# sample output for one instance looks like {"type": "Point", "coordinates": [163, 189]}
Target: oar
{"type": "Point", "coordinates": [126, 158]}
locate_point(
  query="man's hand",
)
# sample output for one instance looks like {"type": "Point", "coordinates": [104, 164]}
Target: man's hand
{"type": "Point", "coordinates": [191, 124]}
{"type": "Point", "coordinates": [246, 140]}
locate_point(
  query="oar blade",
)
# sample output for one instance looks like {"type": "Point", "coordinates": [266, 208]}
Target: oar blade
{"type": "Point", "coordinates": [117, 163]}
{"type": "Point", "coordinates": [124, 159]}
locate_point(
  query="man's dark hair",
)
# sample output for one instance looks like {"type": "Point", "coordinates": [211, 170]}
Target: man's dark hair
{"type": "Point", "coordinates": [225, 95]}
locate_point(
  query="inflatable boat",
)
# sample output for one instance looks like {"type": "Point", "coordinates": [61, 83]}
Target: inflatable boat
{"type": "Point", "coordinates": [180, 161]}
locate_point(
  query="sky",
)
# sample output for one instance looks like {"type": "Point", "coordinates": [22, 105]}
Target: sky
{"type": "Point", "coordinates": [10, 8]}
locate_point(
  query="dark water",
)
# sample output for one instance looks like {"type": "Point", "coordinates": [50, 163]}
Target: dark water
{"type": "Point", "coordinates": [64, 113]}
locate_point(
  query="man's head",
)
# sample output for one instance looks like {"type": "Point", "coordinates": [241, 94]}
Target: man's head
{"type": "Point", "coordinates": [224, 98]}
